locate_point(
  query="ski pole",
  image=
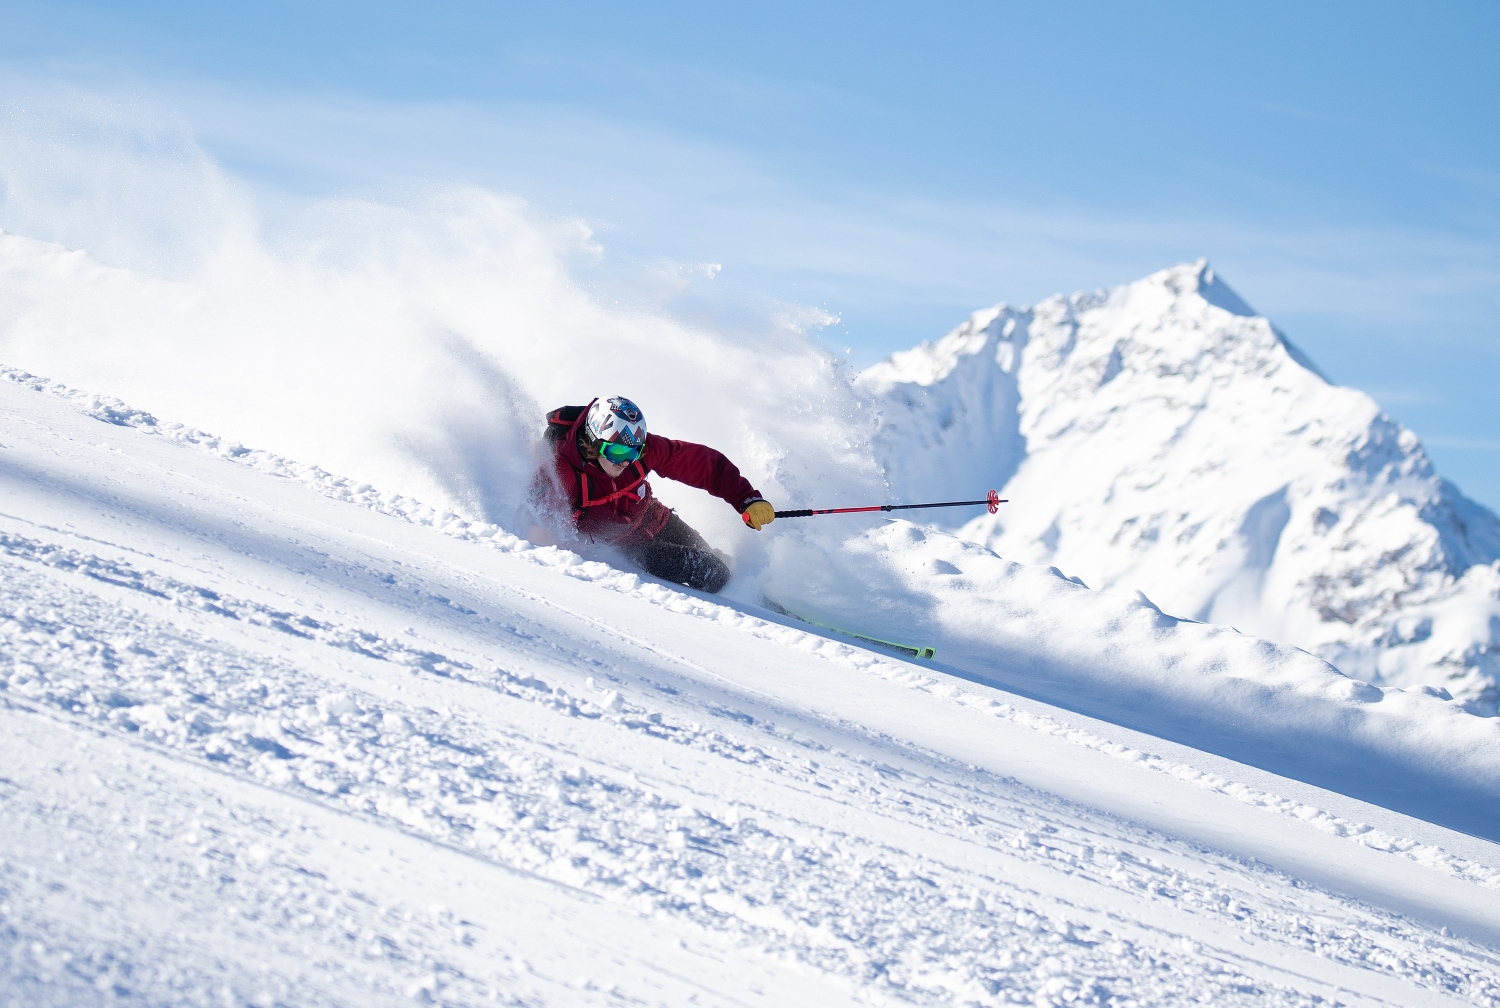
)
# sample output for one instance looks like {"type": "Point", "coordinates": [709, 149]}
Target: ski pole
{"type": "Point", "coordinates": [993, 501]}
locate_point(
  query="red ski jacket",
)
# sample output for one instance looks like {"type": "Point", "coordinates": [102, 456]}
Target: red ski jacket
{"type": "Point", "coordinates": [622, 509]}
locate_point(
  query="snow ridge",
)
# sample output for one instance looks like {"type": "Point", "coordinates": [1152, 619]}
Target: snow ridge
{"type": "Point", "coordinates": [1161, 436]}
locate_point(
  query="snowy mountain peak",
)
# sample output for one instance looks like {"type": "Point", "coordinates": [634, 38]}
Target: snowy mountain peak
{"type": "Point", "coordinates": [932, 362]}
{"type": "Point", "coordinates": [1189, 291]}
{"type": "Point", "coordinates": [1199, 278]}
{"type": "Point", "coordinates": [1161, 436]}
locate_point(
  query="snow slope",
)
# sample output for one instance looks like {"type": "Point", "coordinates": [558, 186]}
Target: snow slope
{"type": "Point", "coordinates": [1162, 437]}
{"type": "Point", "coordinates": [274, 737]}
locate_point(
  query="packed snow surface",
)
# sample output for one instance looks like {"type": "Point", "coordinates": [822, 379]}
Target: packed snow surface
{"type": "Point", "coordinates": [1161, 437]}
{"type": "Point", "coordinates": [276, 737]}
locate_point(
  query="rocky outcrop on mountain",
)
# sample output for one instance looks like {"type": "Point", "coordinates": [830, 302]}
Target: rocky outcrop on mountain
{"type": "Point", "coordinates": [1162, 437]}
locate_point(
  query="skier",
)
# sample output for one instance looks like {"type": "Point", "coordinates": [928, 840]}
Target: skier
{"type": "Point", "coordinates": [601, 455]}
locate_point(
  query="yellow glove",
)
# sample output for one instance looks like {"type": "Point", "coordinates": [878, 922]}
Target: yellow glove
{"type": "Point", "coordinates": [758, 514]}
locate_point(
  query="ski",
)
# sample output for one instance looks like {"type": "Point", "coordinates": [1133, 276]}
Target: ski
{"type": "Point", "coordinates": [913, 650]}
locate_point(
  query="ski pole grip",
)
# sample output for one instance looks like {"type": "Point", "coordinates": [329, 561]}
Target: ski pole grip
{"type": "Point", "coordinates": [804, 513]}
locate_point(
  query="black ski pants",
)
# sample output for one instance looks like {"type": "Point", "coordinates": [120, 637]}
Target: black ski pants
{"type": "Point", "coordinates": [679, 554]}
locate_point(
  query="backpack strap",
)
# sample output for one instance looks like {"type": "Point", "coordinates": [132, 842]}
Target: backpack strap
{"type": "Point", "coordinates": [583, 490]}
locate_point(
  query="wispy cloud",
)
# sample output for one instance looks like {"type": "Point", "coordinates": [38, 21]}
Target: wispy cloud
{"type": "Point", "coordinates": [1402, 396]}
{"type": "Point", "coordinates": [796, 235]}
{"type": "Point", "coordinates": [1463, 444]}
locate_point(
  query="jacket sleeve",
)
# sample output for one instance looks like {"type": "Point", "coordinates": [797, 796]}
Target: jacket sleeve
{"type": "Point", "coordinates": [699, 466]}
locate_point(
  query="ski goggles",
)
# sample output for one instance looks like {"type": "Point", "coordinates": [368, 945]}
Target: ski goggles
{"type": "Point", "coordinates": [619, 454]}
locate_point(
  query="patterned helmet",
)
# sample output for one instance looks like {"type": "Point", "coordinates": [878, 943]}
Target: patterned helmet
{"type": "Point", "coordinates": [617, 421]}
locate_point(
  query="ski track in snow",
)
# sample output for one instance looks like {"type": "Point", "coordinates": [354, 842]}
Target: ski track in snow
{"type": "Point", "coordinates": [922, 883]}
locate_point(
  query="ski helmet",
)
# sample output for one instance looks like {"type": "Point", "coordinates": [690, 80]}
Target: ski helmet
{"type": "Point", "coordinates": [615, 421]}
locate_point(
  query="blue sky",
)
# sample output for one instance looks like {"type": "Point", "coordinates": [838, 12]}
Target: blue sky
{"type": "Point", "coordinates": [900, 165]}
